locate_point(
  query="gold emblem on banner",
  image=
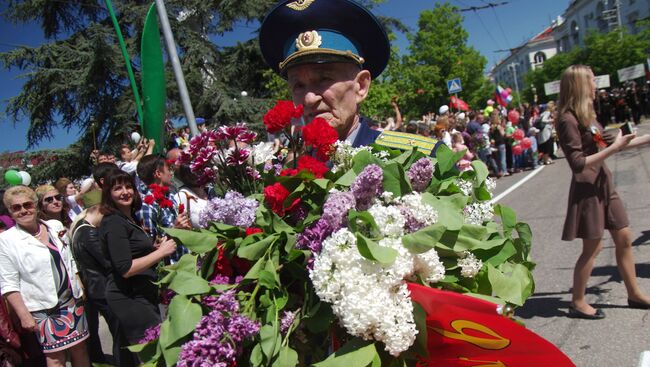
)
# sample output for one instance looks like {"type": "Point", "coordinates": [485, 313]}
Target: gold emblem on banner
{"type": "Point", "coordinates": [308, 40]}
{"type": "Point", "coordinates": [300, 5]}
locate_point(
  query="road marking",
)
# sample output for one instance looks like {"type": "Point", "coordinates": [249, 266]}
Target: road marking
{"type": "Point", "coordinates": [515, 186]}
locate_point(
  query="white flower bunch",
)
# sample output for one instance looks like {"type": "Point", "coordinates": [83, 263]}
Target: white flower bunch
{"type": "Point", "coordinates": [467, 187]}
{"type": "Point", "coordinates": [479, 212]}
{"type": "Point", "coordinates": [421, 212]}
{"type": "Point", "coordinates": [389, 219]}
{"type": "Point", "coordinates": [261, 153]}
{"type": "Point", "coordinates": [469, 264]}
{"type": "Point", "coordinates": [343, 153]}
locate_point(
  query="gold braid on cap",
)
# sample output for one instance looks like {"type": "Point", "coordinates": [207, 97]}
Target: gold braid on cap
{"type": "Point", "coordinates": [300, 5]}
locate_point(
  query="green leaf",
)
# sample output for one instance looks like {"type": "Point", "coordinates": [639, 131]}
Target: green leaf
{"type": "Point", "coordinates": [254, 272]}
{"type": "Point", "coordinates": [183, 315]}
{"type": "Point", "coordinates": [321, 319]}
{"type": "Point", "coordinates": [149, 352]}
{"type": "Point", "coordinates": [512, 283]}
{"type": "Point", "coordinates": [372, 251]}
{"type": "Point", "coordinates": [449, 208]}
{"type": "Point", "coordinates": [222, 229]}
{"type": "Point", "coordinates": [187, 283]}
{"type": "Point", "coordinates": [322, 183]}
{"type": "Point", "coordinates": [356, 352]}
{"type": "Point", "coordinates": [287, 358]}
{"type": "Point", "coordinates": [363, 159]}
{"type": "Point", "coordinates": [481, 171]}
{"type": "Point", "coordinates": [446, 159]}
{"type": "Point", "coordinates": [257, 357]}
{"type": "Point", "coordinates": [347, 179]}
{"type": "Point", "coordinates": [420, 317]}
{"type": "Point", "coordinates": [506, 251]}
{"type": "Point", "coordinates": [508, 218]}
{"type": "Point", "coordinates": [257, 249]}
{"type": "Point", "coordinates": [197, 242]}
{"type": "Point", "coordinates": [471, 237]}
{"type": "Point", "coordinates": [395, 180]}
{"type": "Point", "coordinates": [363, 222]}
{"type": "Point", "coordinates": [425, 239]}
{"type": "Point", "coordinates": [267, 279]}
{"type": "Point", "coordinates": [270, 341]}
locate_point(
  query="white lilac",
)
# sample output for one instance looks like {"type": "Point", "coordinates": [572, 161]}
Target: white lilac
{"type": "Point", "coordinates": [429, 266]}
{"type": "Point", "coordinates": [261, 153]}
{"type": "Point", "coordinates": [342, 157]}
{"type": "Point", "coordinates": [418, 214]}
{"type": "Point", "coordinates": [469, 265]}
{"type": "Point", "coordinates": [465, 186]}
{"type": "Point", "coordinates": [479, 212]}
{"type": "Point", "coordinates": [389, 219]}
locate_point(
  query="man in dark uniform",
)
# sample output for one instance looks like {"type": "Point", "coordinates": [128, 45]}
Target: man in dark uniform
{"type": "Point", "coordinates": [328, 51]}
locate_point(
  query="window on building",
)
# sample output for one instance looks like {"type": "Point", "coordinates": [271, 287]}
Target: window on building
{"type": "Point", "coordinates": [575, 32]}
{"type": "Point", "coordinates": [539, 57]}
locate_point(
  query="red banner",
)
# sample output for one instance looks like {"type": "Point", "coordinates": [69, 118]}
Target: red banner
{"type": "Point", "coordinates": [459, 104]}
{"type": "Point", "coordinates": [469, 332]}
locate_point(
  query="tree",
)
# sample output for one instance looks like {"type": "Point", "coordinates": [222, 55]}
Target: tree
{"type": "Point", "coordinates": [80, 76]}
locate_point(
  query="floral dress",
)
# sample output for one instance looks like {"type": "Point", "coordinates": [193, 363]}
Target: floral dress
{"type": "Point", "coordinates": [65, 325]}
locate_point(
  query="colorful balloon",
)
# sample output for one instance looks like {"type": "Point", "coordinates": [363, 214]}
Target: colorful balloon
{"type": "Point", "coordinates": [26, 179]}
{"type": "Point", "coordinates": [517, 150]}
{"type": "Point", "coordinates": [526, 143]}
{"type": "Point", "coordinates": [518, 134]}
{"type": "Point", "coordinates": [513, 116]}
{"type": "Point", "coordinates": [13, 178]}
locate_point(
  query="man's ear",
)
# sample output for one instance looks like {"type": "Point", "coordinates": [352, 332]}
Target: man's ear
{"type": "Point", "coordinates": [363, 80]}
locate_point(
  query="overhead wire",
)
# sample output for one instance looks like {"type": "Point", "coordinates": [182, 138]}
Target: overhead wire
{"type": "Point", "coordinates": [496, 16]}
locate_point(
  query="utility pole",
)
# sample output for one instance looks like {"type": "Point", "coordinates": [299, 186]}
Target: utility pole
{"type": "Point", "coordinates": [513, 66]}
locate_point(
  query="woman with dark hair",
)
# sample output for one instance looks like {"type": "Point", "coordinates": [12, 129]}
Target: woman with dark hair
{"type": "Point", "coordinates": [52, 206]}
{"type": "Point", "coordinates": [193, 196]}
{"type": "Point", "coordinates": [593, 205]}
{"type": "Point", "coordinates": [131, 292]}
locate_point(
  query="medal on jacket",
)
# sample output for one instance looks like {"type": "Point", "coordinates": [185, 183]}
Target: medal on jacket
{"type": "Point", "coordinates": [597, 136]}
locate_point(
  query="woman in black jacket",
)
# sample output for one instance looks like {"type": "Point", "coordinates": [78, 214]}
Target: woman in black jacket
{"type": "Point", "coordinates": [131, 292]}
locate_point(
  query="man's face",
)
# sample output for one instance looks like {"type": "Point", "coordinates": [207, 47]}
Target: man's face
{"type": "Point", "coordinates": [165, 175]}
{"type": "Point", "coordinates": [330, 91]}
{"type": "Point", "coordinates": [125, 154]}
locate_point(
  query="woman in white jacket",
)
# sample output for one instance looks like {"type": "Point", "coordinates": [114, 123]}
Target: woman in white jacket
{"type": "Point", "coordinates": [38, 279]}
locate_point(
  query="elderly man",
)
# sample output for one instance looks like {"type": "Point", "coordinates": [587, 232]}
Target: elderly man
{"type": "Point", "coordinates": [328, 51]}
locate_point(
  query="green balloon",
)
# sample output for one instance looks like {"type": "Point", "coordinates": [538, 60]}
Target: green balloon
{"type": "Point", "coordinates": [13, 178]}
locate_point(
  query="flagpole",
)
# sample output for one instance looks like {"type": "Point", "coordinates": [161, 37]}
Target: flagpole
{"type": "Point", "coordinates": [127, 61]}
{"type": "Point", "coordinates": [176, 64]}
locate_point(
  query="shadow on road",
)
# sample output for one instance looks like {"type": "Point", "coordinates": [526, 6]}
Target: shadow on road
{"type": "Point", "coordinates": [643, 239]}
{"type": "Point", "coordinates": [545, 305]}
{"type": "Point", "coordinates": [642, 271]}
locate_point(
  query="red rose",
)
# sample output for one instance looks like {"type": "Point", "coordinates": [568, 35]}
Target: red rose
{"type": "Point", "coordinates": [275, 195]}
{"type": "Point", "coordinates": [279, 117]}
{"type": "Point", "coordinates": [312, 165]}
{"type": "Point", "coordinates": [289, 172]}
{"type": "Point", "coordinates": [148, 199]}
{"type": "Point", "coordinates": [320, 136]}
{"type": "Point", "coordinates": [253, 230]}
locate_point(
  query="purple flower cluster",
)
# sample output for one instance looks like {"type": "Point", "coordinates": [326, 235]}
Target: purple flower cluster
{"type": "Point", "coordinates": [420, 174]}
{"type": "Point", "coordinates": [218, 337]}
{"type": "Point", "coordinates": [233, 209]}
{"type": "Point", "coordinates": [335, 210]}
{"type": "Point", "coordinates": [150, 334]}
{"type": "Point", "coordinates": [286, 320]}
{"type": "Point", "coordinates": [411, 223]}
{"type": "Point", "coordinates": [367, 186]}
{"type": "Point", "coordinates": [312, 238]}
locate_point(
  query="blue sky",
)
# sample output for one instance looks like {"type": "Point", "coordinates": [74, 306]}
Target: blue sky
{"type": "Point", "coordinates": [492, 29]}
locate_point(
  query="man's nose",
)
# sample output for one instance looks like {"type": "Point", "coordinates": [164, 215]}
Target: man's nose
{"type": "Point", "coordinates": [312, 99]}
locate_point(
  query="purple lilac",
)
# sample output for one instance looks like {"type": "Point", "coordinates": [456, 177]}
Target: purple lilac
{"type": "Point", "coordinates": [233, 209]}
{"type": "Point", "coordinates": [286, 320]}
{"type": "Point", "coordinates": [312, 238]}
{"type": "Point", "coordinates": [150, 334]}
{"type": "Point", "coordinates": [367, 186]}
{"type": "Point", "coordinates": [335, 210]}
{"type": "Point", "coordinates": [420, 174]}
{"type": "Point", "coordinates": [412, 224]}
{"type": "Point", "coordinates": [218, 337]}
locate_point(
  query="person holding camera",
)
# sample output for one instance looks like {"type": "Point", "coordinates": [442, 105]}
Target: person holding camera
{"type": "Point", "coordinates": [593, 205]}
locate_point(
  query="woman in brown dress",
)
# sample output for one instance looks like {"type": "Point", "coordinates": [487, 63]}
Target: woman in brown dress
{"type": "Point", "coordinates": [593, 204]}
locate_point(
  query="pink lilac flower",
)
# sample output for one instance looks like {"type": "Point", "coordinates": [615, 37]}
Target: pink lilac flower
{"type": "Point", "coordinates": [336, 208]}
{"type": "Point", "coordinates": [420, 174]}
{"type": "Point", "coordinates": [233, 209]}
{"type": "Point", "coordinates": [150, 334]}
{"type": "Point", "coordinates": [286, 320]}
{"type": "Point", "coordinates": [367, 186]}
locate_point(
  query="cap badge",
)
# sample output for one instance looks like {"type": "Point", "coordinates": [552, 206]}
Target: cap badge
{"type": "Point", "coordinates": [308, 40]}
{"type": "Point", "coordinates": [299, 5]}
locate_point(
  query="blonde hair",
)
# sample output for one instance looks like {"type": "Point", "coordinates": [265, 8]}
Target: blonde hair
{"type": "Point", "coordinates": [44, 189]}
{"type": "Point", "coordinates": [575, 94]}
{"type": "Point", "coordinates": [18, 190]}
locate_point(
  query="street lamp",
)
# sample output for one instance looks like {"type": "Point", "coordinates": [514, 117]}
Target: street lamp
{"type": "Point", "coordinates": [513, 66]}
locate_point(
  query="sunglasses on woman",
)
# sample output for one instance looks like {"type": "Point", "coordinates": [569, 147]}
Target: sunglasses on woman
{"type": "Point", "coordinates": [28, 205]}
{"type": "Point", "coordinates": [50, 199]}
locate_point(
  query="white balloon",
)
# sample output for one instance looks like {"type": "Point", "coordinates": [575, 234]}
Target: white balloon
{"type": "Point", "coordinates": [87, 183]}
{"type": "Point", "coordinates": [27, 179]}
{"type": "Point", "coordinates": [135, 137]}
{"type": "Point", "coordinates": [244, 93]}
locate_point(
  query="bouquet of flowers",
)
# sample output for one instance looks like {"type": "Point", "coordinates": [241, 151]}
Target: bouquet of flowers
{"type": "Point", "coordinates": [312, 269]}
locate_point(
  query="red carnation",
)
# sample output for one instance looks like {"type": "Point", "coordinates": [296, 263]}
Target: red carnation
{"type": "Point", "coordinates": [289, 172]}
{"type": "Point", "coordinates": [313, 165]}
{"type": "Point", "coordinates": [320, 136]}
{"type": "Point", "coordinates": [148, 200]}
{"type": "Point", "coordinates": [275, 195]}
{"type": "Point", "coordinates": [279, 117]}
{"type": "Point", "coordinates": [181, 208]}
{"type": "Point", "coordinates": [166, 203]}
{"type": "Point", "coordinates": [253, 230]}
{"type": "Point", "coordinates": [222, 265]}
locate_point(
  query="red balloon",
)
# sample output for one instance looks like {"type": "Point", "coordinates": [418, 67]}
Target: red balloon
{"type": "Point", "coordinates": [518, 134]}
{"type": "Point", "coordinates": [517, 150]}
{"type": "Point", "coordinates": [513, 116]}
{"type": "Point", "coordinates": [526, 143]}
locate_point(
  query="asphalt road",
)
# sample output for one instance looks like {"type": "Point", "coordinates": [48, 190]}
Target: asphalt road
{"type": "Point", "coordinates": [620, 338]}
